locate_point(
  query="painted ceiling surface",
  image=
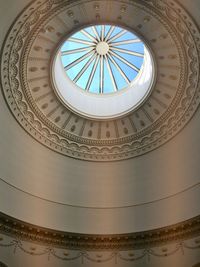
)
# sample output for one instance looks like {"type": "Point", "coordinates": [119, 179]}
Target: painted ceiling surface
{"type": "Point", "coordinates": [83, 191]}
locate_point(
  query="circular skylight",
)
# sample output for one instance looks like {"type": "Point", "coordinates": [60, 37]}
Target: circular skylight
{"type": "Point", "coordinates": [103, 71]}
{"type": "Point", "coordinates": [103, 58]}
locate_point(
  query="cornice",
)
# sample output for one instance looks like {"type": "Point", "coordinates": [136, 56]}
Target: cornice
{"type": "Point", "coordinates": [75, 241]}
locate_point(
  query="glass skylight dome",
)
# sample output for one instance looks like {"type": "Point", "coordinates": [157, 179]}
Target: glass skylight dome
{"type": "Point", "coordinates": [103, 71]}
{"type": "Point", "coordinates": [102, 59]}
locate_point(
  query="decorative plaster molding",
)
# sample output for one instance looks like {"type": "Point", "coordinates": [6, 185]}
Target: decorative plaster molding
{"type": "Point", "coordinates": [26, 57]}
{"type": "Point", "coordinates": [37, 241]}
{"type": "Point", "coordinates": [115, 256]}
{"type": "Point", "coordinates": [140, 240]}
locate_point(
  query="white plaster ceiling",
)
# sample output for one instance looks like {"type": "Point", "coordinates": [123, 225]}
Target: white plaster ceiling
{"type": "Point", "coordinates": [46, 188]}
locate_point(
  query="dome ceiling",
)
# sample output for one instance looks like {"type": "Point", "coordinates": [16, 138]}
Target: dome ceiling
{"type": "Point", "coordinates": [27, 55]}
{"type": "Point", "coordinates": [121, 191]}
{"type": "Point", "coordinates": [76, 205]}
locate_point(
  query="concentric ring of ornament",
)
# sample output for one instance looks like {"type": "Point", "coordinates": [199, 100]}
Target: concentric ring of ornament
{"type": "Point", "coordinates": [102, 58]}
{"type": "Point", "coordinates": [28, 89]}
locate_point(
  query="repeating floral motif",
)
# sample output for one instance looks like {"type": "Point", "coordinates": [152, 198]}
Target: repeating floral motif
{"type": "Point", "coordinates": [164, 114]}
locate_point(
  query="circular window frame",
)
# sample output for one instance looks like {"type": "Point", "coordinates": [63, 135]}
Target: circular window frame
{"type": "Point", "coordinates": [119, 93]}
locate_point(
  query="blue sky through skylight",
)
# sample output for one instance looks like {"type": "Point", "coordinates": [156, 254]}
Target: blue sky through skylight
{"type": "Point", "coordinates": [103, 58]}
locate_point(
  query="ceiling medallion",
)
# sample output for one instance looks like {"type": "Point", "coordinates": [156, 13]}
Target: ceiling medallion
{"type": "Point", "coordinates": [28, 52]}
